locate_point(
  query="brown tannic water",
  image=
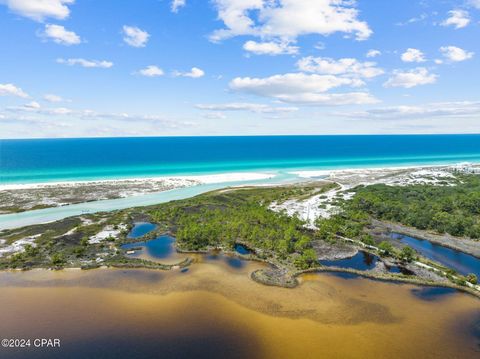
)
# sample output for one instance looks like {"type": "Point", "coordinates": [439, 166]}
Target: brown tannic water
{"type": "Point", "coordinates": [214, 310]}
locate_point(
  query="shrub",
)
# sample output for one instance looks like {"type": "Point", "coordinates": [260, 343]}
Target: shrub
{"type": "Point", "coordinates": [472, 278]}
{"type": "Point", "coordinates": [58, 259]}
{"type": "Point", "coordinates": [407, 254]}
{"type": "Point", "coordinates": [386, 247]}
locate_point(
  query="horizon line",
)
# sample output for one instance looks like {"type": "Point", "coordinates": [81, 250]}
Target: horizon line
{"type": "Point", "coordinates": [253, 135]}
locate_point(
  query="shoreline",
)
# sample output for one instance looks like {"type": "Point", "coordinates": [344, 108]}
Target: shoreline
{"type": "Point", "coordinates": [35, 199]}
{"type": "Point", "coordinates": [467, 246]}
{"type": "Point", "coordinates": [20, 198]}
{"type": "Point", "coordinates": [283, 273]}
{"type": "Point", "coordinates": [235, 176]}
{"type": "Point", "coordinates": [387, 278]}
{"type": "Point", "coordinates": [196, 179]}
{"type": "Point", "coordinates": [296, 276]}
{"type": "Point", "coordinates": [320, 173]}
{"type": "Point", "coordinates": [293, 279]}
{"type": "Point", "coordinates": [357, 170]}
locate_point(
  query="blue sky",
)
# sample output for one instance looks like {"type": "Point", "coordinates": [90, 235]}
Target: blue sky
{"type": "Point", "coordinates": [85, 68]}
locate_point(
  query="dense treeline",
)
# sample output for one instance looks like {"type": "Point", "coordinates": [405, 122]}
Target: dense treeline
{"type": "Point", "coordinates": [221, 220]}
{"type": "Point", "coordinates": [445, 209]}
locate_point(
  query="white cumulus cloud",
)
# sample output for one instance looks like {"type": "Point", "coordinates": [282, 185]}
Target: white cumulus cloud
{"type": "Point", "coordinates": [455, 54]}
{"type": "Point", "coordinates": [40, 9]}
{"type": "Point", "coordinates": [52, 98]}
{"type": "Point", "coordinates": [11, 90]}
{"type": "Point", "coordinates": [215, 116]}
{"type": "Point", "coordinates": [413, 55]}
{"type": "Point", "coordinates": [346, 66]}
{"type": "Point", "coordinates": [60, 35]}
{"type": "Point", "coordinates": [34, 105]}
{"type": "Point", "coordinates": [461, 109]}
{"type": "Point", "coordinates": [194, 73]}
{"type": "Point", "coordinates": [413, 20]}
{"type": "Point", "coordinates": [151, 71]}
{"type": "Point", "coordinates": [303, 89]}
{"type": "Point", "coordinates": [177, 4]}
{"type": "Point", "coordinates": [270, 48]}
{"type": "Point", "coordinates": [332, 99]}
{"type": "Point", "coordinates": [411, 78]}
{"type": "Point", "coordinates": [373, 53]}
{"type": "Point", "coordinates": [288, 19]}
{"type": "Point", "coordinates": [457, 18]}
{"type": "Point", "coordinates": [134, 36]}
{"type": "Point", "coordinates": [85, 63]}
{"type": "Point", "coordinates": [245, 106]}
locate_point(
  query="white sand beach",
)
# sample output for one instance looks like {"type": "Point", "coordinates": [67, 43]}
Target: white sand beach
{"type": "Point", "coordinates": [176, 181]}
{"type": "Point", "coordinates": [28, 196]}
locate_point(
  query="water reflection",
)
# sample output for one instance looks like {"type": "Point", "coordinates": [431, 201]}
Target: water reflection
{"type": "Point", "coordinates": [399, 270]}
{"type": "Point", "coordinates": [160, 249]}
{"type": "Point", "coordinates": [235, 262]}
{"type": "Point", "coordinates": [461, 262]}
{"type": "Point", "coordinates": [230, 261]}
{"type": "Point", "coordinates": [241, 249]}
{"type": "Point", "coordinates": [360, 261]}
{"type": "Point", "coordinates": [140, 229]}
{"type": "Point", "coordinates": [343, 275]}
{"type": "Point", "coordinates": [432, 293]}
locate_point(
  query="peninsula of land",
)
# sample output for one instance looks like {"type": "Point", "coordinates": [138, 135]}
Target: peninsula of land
{"type": "Point", "coordinates": [349, 221]}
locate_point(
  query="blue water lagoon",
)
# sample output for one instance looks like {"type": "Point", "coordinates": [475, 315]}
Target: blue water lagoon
{"type": "Point", "coordinates": [461, 262]}
{"type": "Point", "coordinates": [241, 249]}
{"type": "Point", "coordinates": [140, 229]}
{"type": "Point", "coordinates": [160, 249]}
{"type": "Point", "coordinates": [360, 261]}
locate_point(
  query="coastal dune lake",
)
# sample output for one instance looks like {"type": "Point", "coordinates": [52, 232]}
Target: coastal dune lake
{"type": "Point", "coordinates": [217, 311]}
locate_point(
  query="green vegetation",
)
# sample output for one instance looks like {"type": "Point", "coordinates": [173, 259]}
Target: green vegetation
{"type": "Point", "coordinates": [407, 254]}
{"type": "Point", "coordinates": [57, 247]}
{"type": "Point", "coordinates": [444, 209]}
{"type": "Point", "coordinates": [212, 220]}
{"type": "Point", "coordinates": [386, 248]}
{"type": "Point", "coordinates": [472, 278]}
{"type": "Point", "coordinates": [353, 224]}
{"type": "Point", "coordinates": [348, 224]}
{"type": "Point", "coordinates": [307, 260]}
{"type": "Point", "coordinates": [58, 260]}
{"type": "Point", "coordinates": [221, 219]}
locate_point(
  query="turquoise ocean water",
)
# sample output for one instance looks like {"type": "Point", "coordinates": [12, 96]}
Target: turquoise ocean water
{"type": "Point", "coordinates": [27, 161]}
